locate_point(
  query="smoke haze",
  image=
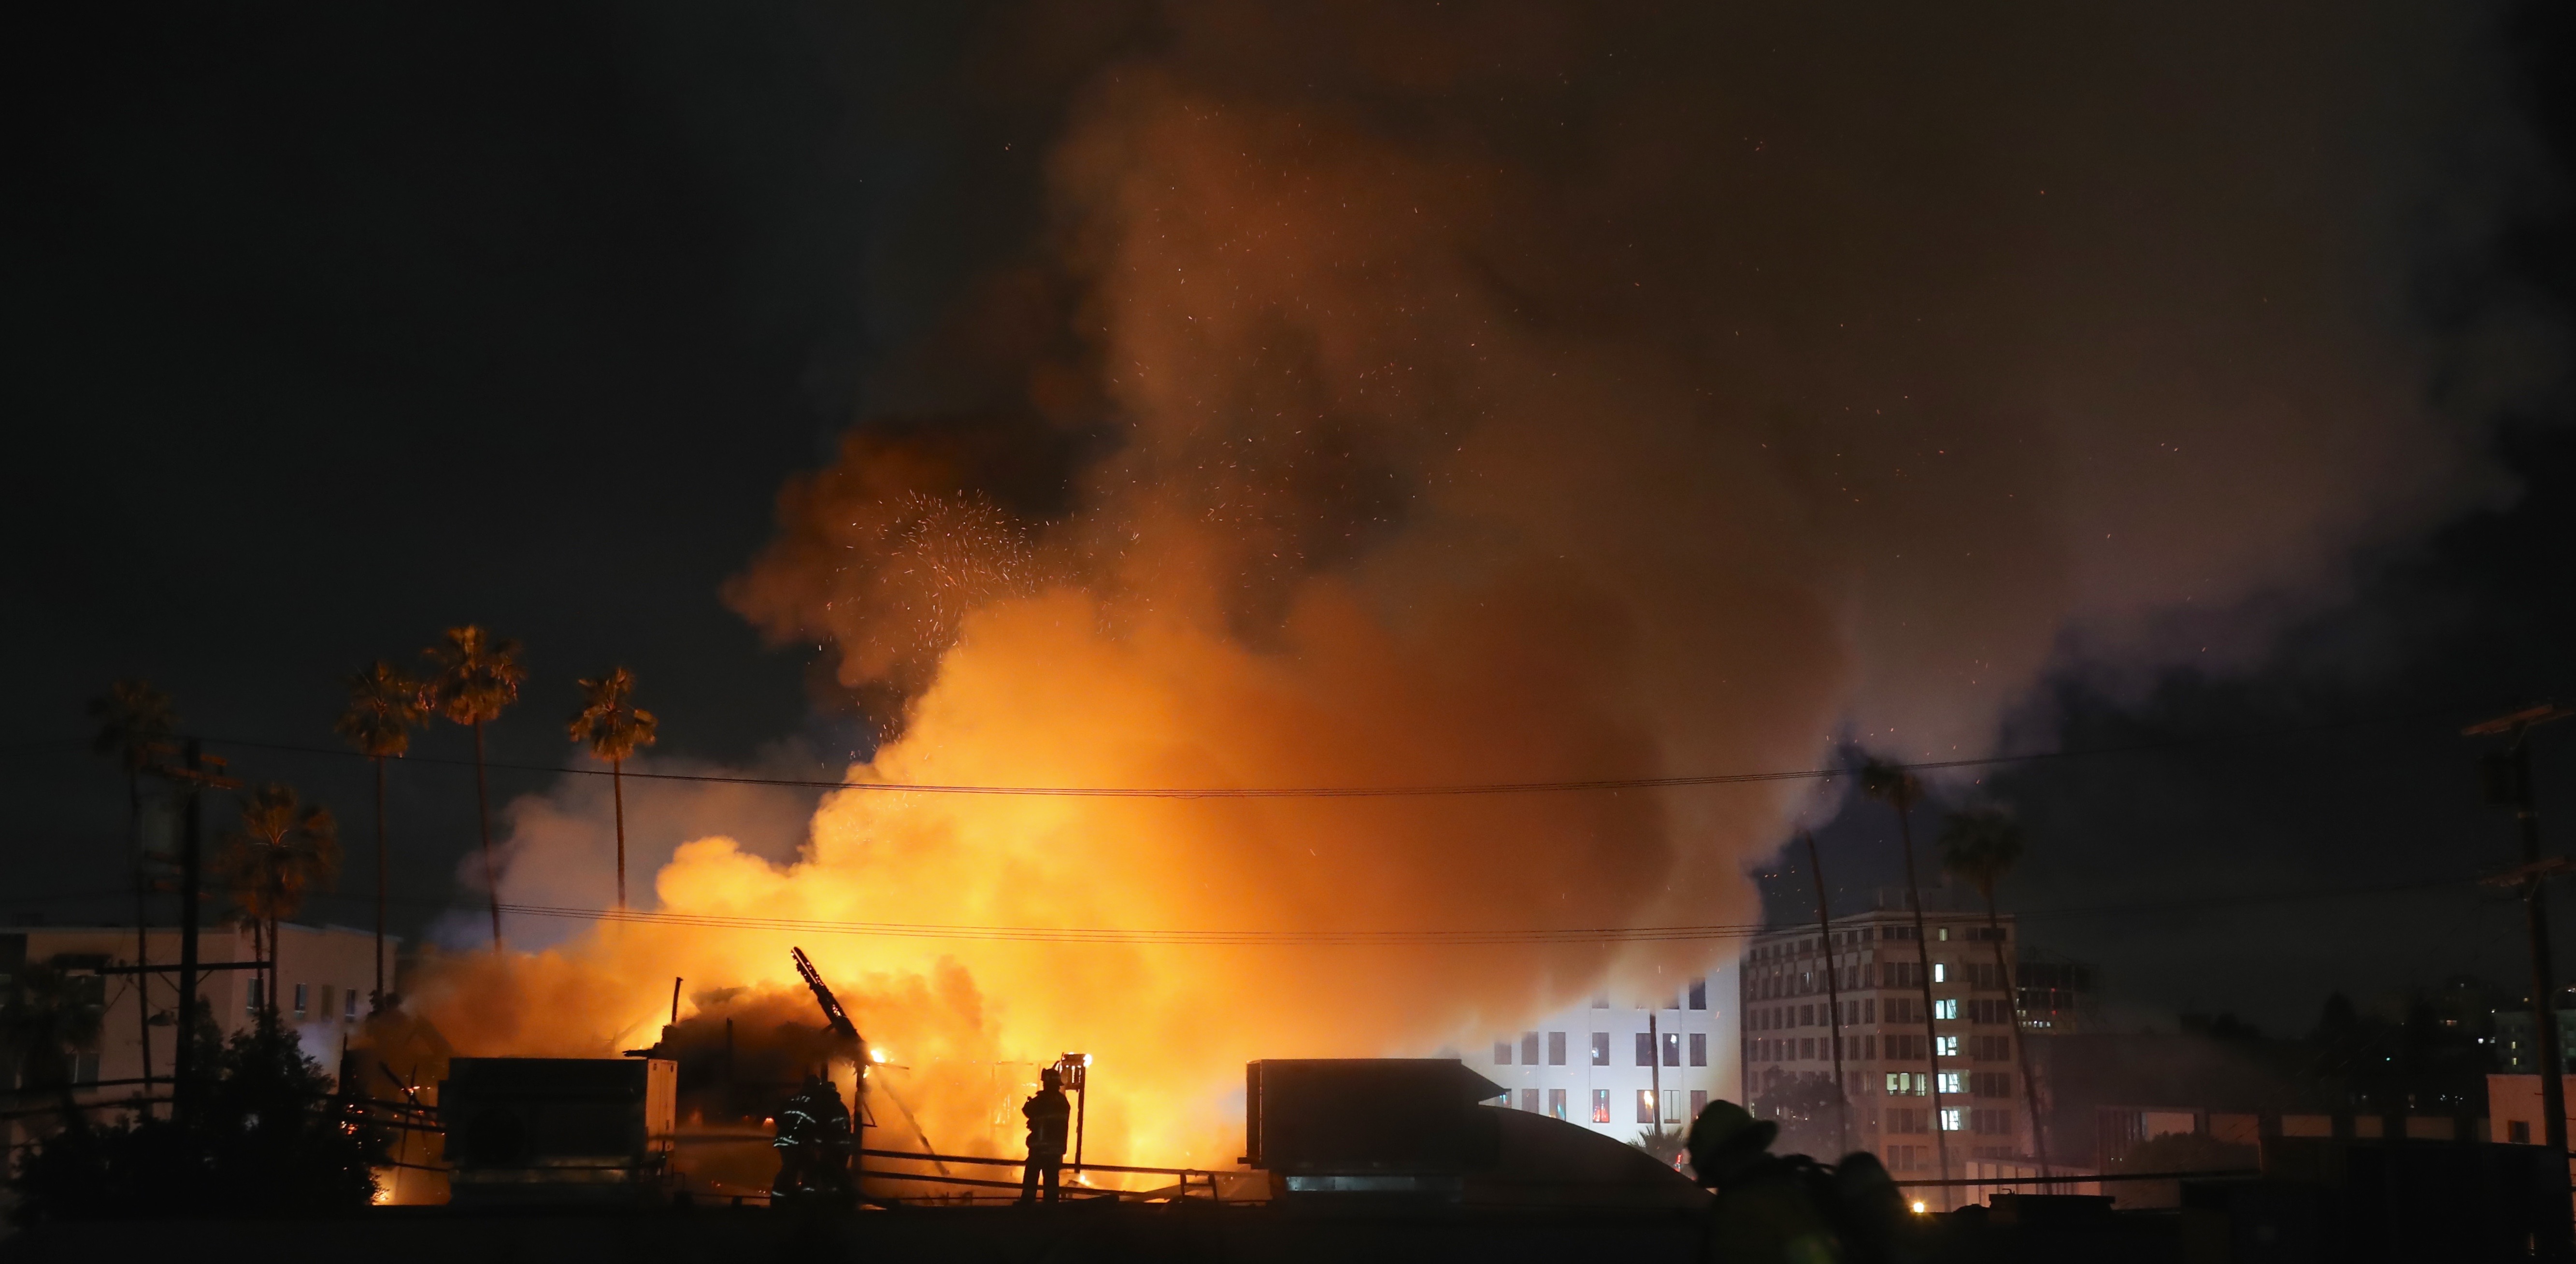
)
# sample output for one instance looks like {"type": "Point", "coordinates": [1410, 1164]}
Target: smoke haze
{"type": "Point", "coordinates": [1402, 396]}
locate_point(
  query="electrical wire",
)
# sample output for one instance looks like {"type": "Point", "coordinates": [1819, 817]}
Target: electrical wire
{"type": "Point", "coordinates": [1684, 781]}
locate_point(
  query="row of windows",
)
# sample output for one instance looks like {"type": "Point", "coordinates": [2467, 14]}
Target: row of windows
{"type": "Point", "coordinates": [306, 997]}
{"type": "Point", "coordinates": [1899, 1009]}
{"type": "Point", "coordinates": [1673, 1104]}
{"type": "Point", "coordinates": [1894, 933]}
{"type": "Point", "coordinates": [1672, 1041]}
{"type": "Point", "coordinates": [1896, 1046]}
{"type": "Point", "coordinates": [1694, 997]}
{"type": "Point", "coordinates": [1779, 982]}
{"type": "Point", "coordinates": [1904, 1120]}
{"type": "Point", "coordinates": [1953, 1083]}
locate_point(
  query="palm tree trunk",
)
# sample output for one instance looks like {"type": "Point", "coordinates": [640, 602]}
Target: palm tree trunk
{"type": "Point", "coordinates": [483, 816]}
{"type": "Point", "coordinates": [1923, 976]}
{"type": "Point", "coordinates": [142, 931]}
{"type": "Point", "coordinates": [2021, 1046]}
{"type": "Point", "coordinates": [617, 794]}
{"type": "Point", "coordinates": [1833, 988]}
{"type": "Point", "coordinates": [377, 1001]}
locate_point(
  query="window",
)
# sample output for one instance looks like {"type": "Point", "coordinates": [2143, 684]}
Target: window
{"type": "Point", "coordinates": [1950, 1119]}
{"type": "Point", "coordinates": [1905, 1084]}
{"type": "Point", "coordinates": [1940, 972]}
{"type": "Point", "coordinates": [1556, 1050]}
{"type": "Point", "coordinates": [1699, 994]}
{"type": "Point", "coordinates": [1944, 934]}
{"type": "Point", "coordinates": [1672, 1049]}
{"type": "Point", "coordinates": [1806, 1015]}
{"type": "Point", "coordinates": [1600, 1105]}
{"type": "Point", "coordinates": [1529, 1100]}
{"type": "Point", "coordinates": [253, 1007]}
{"type": "Point", "coordinates": [84, 1066]}
{"type": "Point", "coordinates": [1950, 1082]}
{"type": "Point", "coordinates": [1645, 1052]}
{"type": "Point", "coordinates": [1529, 1048]}
{"type": "Point", "coordinates": [1502, 1053]}
{"type": "Point", "coordinates": [2519, 1132]}
{"type": "Point", "coordinates": [1601, 1051]}
{"type": "Point", "coordinates": [1698, 1102]}
{"type": "Point", "coordinates": [1698, 1054]}
{"type": "Point", "coordinates": [349, 1007]}
{"type": "Point", "coordinates": [1869, 1011]}
{"type": "Point", "coordinates": [322, 1003]}
{"type": "Point", "coordinates": [1645, 1105]}
{"type": "Point", "coordinates": [302, 991]}
{"type": "Point", "coordinates": [1946, 1046]}
{"type": "Point", "coordinates": [1947, 1007]}
{"type": "Point", "coordinates": [1672, 1106]}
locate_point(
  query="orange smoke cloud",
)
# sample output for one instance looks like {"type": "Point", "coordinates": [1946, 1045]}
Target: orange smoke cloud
{"type": "Point", "coordinates": [1532, 394]}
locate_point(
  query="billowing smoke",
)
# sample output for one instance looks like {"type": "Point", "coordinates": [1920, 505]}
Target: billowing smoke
{"type": "Point", "coordinates": [1510, 392]}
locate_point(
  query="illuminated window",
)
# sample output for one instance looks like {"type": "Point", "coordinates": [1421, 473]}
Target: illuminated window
{"type": "Point", "coordinates": [1950, 1119]}
{"type": "Point", "coordinates": [1699, 994]}
{"type": "Point", "coordinates": [1556, 1103]}
{"type": "Point", "coordinates": [1600, 1105]}
{"type": "Point", "coordinates": [1941, 970]}
{"type": "Point", "coordinates": [1944, 933]}
{"type": "Point", "coordinates": [1950, 1082]}
{"type": "Point", "coordinates": [1946, 1047]}
{"type": "Point", "coordinates": [1502, 1053]}
{"type": "Point", "coordinates": [1947, 1007]}
{"type": "Point", "coordinates": [1699, 1050]}
{"type": "Point", "coordinates": [1672, 1049]}
{"type": "Point", "coordinates": [1601, 1051]}
{"type": "Point", "coordinates": [1645, 1105]}
{"type": "Point", "coordinates": [1556, 1050]}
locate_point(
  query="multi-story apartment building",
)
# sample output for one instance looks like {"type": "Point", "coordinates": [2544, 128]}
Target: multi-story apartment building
{"type": "Point", "coordinates": [1874, 965]}
{"type": "Point", "coordinates": [1620, 1068]}
{"type": "Point", "coordinates": [324, 975]}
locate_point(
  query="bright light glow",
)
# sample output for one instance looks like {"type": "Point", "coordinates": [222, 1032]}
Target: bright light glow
{"type": "Point", "coordinates": [876, 1055]}
{"type": "Point", "coordinates": [1918, 1207]}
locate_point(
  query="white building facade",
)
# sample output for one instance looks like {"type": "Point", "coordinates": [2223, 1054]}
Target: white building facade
{"type": "Point", "coordinates": [1620, 1066]}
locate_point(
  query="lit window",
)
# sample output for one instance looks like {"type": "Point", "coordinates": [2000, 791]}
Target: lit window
{"type": "Point", "coordinates": [1941, 970]}
{"type": "Point", "coordinates": [1947, 1007]}
{"type": "Point", "coordinates": [1502, 1053]}
{"type": "Point", "coordinates": [1600, 1105]}
{"type": "Point", "coordinates": [1699, 1050]}
{"type": "Point", "coordinates": [1945, 1047]}
{"type": "Point", "coordinates": [1556, 1103]}
{"type": "Point", "coordinates": [1950, 1119]}
{"type": "Point", "coordinates": [1950, 1082]}
{"type": "Point", "coordinates": [1896, 1083]}
{"type": "Point", "coordinates": [1556, 1049]}
{"type": "Point", "coordinates": [1672, 1049]}
{"type": "Point", "coordinates": [1645, 1105]}
{"type": "Point", "coordinates": [1945, 934]}
{"type": "Point", "coordinates": [1601, 1051]}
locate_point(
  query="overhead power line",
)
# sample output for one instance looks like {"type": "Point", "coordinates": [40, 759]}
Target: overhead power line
{"type": "Point", "coordinates": [1684, 781]}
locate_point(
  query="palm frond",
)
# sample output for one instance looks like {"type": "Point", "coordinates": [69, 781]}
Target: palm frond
{"type": "Point", "coordinates": [384, 707]}
{"type": "Point", "coordinates": [477, 675]}
{"type": "Point", "coordinates": [135, 723]}
{"type": "Point", "coordinates": [609, 721]}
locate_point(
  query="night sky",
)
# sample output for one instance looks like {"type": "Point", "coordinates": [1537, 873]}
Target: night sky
{"type": "Point", "coordinates": [328, 330]}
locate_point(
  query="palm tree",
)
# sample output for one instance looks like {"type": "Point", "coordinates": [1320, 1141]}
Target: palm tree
{"type": "Point", "coordinates": [135, 722]}
{"type": "Point", "coordinates": [614, 726]}
{"type": "Point", "coordinates": [384, 707]}
{"type": "Point", "coordinates": [1893, 785]}
{"type": "Point", "coordinates": [477, 676]}
{"type": "Point", "coordinates": [281, 849]}
{"type": "Point", "coordinates": [1980, 846]}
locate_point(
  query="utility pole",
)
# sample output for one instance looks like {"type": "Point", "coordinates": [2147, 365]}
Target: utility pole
{"type": "Point", "coordinates": [1905, 789]}
{"type": "Point", "coordinates": [192, 840]}
{"type": "Point", "coordinates": [1833, 988]}
{"type": "Point", "coordinates": [2506, 776]}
